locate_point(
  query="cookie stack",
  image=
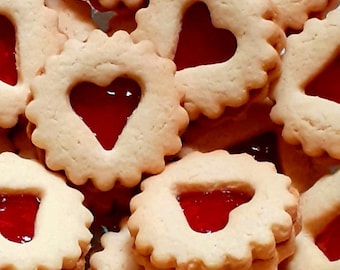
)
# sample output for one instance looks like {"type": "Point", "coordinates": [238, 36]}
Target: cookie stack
{"type": "Point", "coordinates": [169, 134]}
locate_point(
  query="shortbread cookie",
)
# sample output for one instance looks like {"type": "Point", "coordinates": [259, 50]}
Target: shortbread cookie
{"type": "Point", "coordinates": [213, 86]}
{"type": "Point", "coordinates": [310, 120]}
{"type": "Point", "coordinates": [74, 17]}
{"type": "Point", "coordinates": [29, 33]}
{"type": "Point", "coordinates": [117, 253]}
{"type": "Point", "coordinates": [55, 223]}
{"type": "Point", "coordinates": [320, 210]}
{"type": "Point", "coordinates": [173, 234]}
{"type": "Point", "coordinates": [249, 129]}
{"type": "Point", "coordinates": [292, 14]}
{"type": "Point", "coordinates": [137, 141]}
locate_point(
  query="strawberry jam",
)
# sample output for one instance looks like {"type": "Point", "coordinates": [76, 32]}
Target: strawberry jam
{"type": "Point", "coordinates": [327, 83]}
{"type": "Point", "coordinates": [8, 72]}
{"type": "Point", "coordinates": [105, 110]}
{"type": "Point", "coordinates": [200, 43]}
{"type": "Point", "coordinates": [262, 147]}
{"type": "Point", "coordinates": [17, 216]}
{"type": "Point", "coordinates": [329, 240]}
{"type": "Point", "coordinates": [209, 211]}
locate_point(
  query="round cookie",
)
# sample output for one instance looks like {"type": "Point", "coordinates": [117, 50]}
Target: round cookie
{"type": "Point", "coordinates": [61, 224]}
{"type": "Point", "coordinates": [209, 88]}
{"type": "Point", "coordinates": [150, 133]}
{"type": "Point", "coordinates": [309, 120]}
{"type": "Point", "coordinates": [36, 37]}
{"type": "Point", "coordinates": [319, 206]}
{"type": "Point", "coordinates": [168, 240]}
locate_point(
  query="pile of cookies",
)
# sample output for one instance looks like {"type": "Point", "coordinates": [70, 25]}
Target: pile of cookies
{"type": "Point", "coordinates": [169, 134]}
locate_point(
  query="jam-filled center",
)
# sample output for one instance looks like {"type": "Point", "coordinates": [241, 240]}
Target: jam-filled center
{"type": "Point", "coordinates": [200, 43]}
{"type": "Point", "coordinates": [329, 240]}
{"type": "Point", "coordinates": [327, 83]}
{"type": "Point", "coordinates": [209, 211]}
{"type": "Point", "coordinates": [17, 216]}
{"type": "Point", "coordinates": [8, 72]}
{"type": "Point", "coordinates": [105, 110]}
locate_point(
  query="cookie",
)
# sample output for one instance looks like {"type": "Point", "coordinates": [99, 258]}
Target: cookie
{"type": "Point", "coordinates": [309, 117]}
{"type": "Point", "coordinates": [145, 123]}
{"type": "Point", "coordinates": [29, 34]}
{"type": "Point", "coordinates": [249, 129]}
{"type": "Point", "coordinates": [216, 84]}
{"type": "Point", "coordinates": [40, 213]}
{"type": "Point", "coordinates": [175, 231]}
{"type": "Point", "coordinates": [118, 244]}
{"type": "Point", "coordinates": [317, 244]}
{"type": "Point", "coordinates": [293, 14]}
{"type": "Point", "coordinates": [74, 18]}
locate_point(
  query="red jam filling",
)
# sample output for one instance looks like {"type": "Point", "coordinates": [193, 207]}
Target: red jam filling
{"type": "Point", "coordinates": [17, 216]}
{"type": "Point", "coordinates": [262, 147]}
{"type": "Point", "coordinates": [329, 240]}
{"type": "Point", "coordinates": [200, 43]}
{"type": "Point", "coordinates": [105, 110]}
{"type": "Point", "coordinates": [8, 71]}
{"type": "Point", "coordinates": [209, 211]}
{"type": "Point", "coordinates": [327, 83]}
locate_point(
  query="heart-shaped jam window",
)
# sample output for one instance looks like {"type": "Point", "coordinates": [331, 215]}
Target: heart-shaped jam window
{"type": "Point", "coordinates": [262, 147]}
{"type": "Point", "coordinates": [200, 43]}
{"type": "Point", "coordinates": [327, 83]}
{"type": "Point", "coordinates": [209, 211]}
{"type": "Point", "coordinates": [8, 71]}
{"type": "Point", "coordinates": [329, 240]}
{"type": "Point", "coordinates": [105, 110]}
{"type": "Point", "coordinates": [17, 216]}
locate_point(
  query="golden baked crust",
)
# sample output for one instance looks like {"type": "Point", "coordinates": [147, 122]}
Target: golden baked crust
{"type": "Point", "coordinates": [151, 132]}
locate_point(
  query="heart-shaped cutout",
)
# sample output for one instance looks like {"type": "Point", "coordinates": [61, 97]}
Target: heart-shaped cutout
{"type": "Point", "coordinates": [329, 240]}
{"type": "Point", "coordinates": [209, 211]}
{"type": "Point", "coordinates": [105, 110]}
{"type": "Point", "coordinates": [17, 216]}
{"type": "Point", "coordinates": [8, 71]}
{"type": "Point", "coordinates": [200, 43]}
{"type": "Point", "coordinates": [262, 148]}
{"type": "Point", "coordinates": [327, 83]}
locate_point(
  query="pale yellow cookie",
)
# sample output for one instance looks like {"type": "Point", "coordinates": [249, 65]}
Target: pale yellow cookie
{"type": "Point", "coordinates": [311, 121]}
{"type": "Point", "coordinates": [61, 230]}
{"type": "Point", "coordinates": [162, 234]}
{"type": "Point", "coordinates": [319, 206]}
{"type": "Point", "coordinates": [150, 133]}
{"type": "Point", "coordinates": [117, 253]}
{"type": "Point", "coordinates": [212, 87]}
{"type": "Point", "coordinates": [36, 36]}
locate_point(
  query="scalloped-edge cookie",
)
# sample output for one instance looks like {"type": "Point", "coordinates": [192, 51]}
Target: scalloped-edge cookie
{"type": "Point", "coordinates": [241, 126]}
{"type": "Point", "coordinates": [212, 87]}
{"type": "Point", "coordinates": [311, 121]}
{"type": "Point", "coordinates": [166, 240]}
{"type": "Point", "coordinates": [150, 134]}
{"type": "Point", "coordinates": [61, 230]}
{"type": "Point", "coordinates": [117, 253]}
{"type": "Point", "coordinates": [37, 37]}
{"type": "Point", "coordinates": [319, 205]}
{"type": "Point", "coordinates": [292, 14]}
{"type": "Point", "coordinates": [74, 17]}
